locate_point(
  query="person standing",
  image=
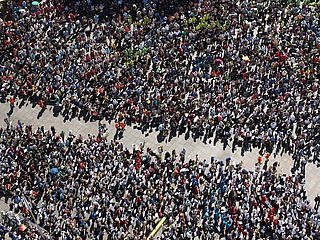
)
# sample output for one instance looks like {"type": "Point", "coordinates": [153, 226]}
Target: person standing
{"type": "Point", "coordinates": [62, 135]}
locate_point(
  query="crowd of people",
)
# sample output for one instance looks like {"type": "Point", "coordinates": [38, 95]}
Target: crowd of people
{"type": "Point", "coordinates": [246, 70]}
{"type": "Point", "coordinates": [76, 187]}
{"type": "Point", "coordinates": [246, 67]}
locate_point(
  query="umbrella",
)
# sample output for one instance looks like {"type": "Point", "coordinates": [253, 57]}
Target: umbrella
{"type": "Point", "coordinates": [245, 58]}
{"type": "Point", "coordinates": [218, 60]}
{"type": "Point", "coordinates": [35, 3]}
{"type": "Point", "coordinates": [54, 171]}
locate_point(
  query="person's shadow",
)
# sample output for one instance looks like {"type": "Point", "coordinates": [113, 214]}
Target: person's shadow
{"type": "Point", "coordinates": [10, 112]}
{"type": "Point", "coordinates": [303, 168]}
{"type": "Point", "coordinates": [234, 146]}
{"type": "Point", "coordinates": [173, 133]}
{"type": "Point", "coordinates": [265, 166]}
{"type": "Point", "coordinates": [160, 137]}
{"type": "Point", "coordinates": [144, 128]}
{"type": "Point", "coordinates": [41, 112]}
{"type": "Point", "coordinates": [225, 142]}
{"type": "Point", "coordinates": [22, 103]}
{"type": "Point", "coordinates": [65, 111]}
{"type": "Point", "coordinates": [242, 151]}
{"type": "Point", "coordinates": [317, 203]}
{"type": "Point", "coordinates": [120, 135]}
{"type": "Point", "coordinates": [82, 114]}
{"type": "Point", "coordinates": [215, 140]}
{"type": "Point", "coordinates": [187, 135]}
{"type": "Point", "coordinates": [2, 194]}
{"type": "Point", "coordinates": [56, 111]}
{"type": "Point", "coordinates": [86, 118]}
{"type": "Point", "coordinates": [205, 138]}
{"type": "Point", "coordinates": [115, 137]}
{"type": "Point", "coordinates": [194, 137]}
{"type": "Point", "coordinates": [181, 130]}
{"type": "Point", "coordinates": [66, 118]}
{"type": "Point", "coordinates": [34, 103]}
{"type": "Point", "coordinates": [73, 114]}
{"type": "Point", "coordinates": [296, 165]}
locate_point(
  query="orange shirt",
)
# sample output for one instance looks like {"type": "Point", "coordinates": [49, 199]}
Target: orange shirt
{"type": "Point", "coordinates": [11, 100]}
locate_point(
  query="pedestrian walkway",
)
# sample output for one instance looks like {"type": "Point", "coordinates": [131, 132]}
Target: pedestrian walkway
{"type": "Point", "coordinates": [132, 135]}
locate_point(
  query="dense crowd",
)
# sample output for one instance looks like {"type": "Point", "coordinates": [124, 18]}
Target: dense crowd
{"type": "Point", "coordinates": [77, 187]}
{"type": "Point", "coordinates": [249, 68]}
{"type": "Point", "coordinates": [242, 69]}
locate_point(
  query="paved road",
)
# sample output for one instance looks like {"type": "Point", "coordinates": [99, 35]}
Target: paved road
{"type": "Point", "coordinates": [131, 135]}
